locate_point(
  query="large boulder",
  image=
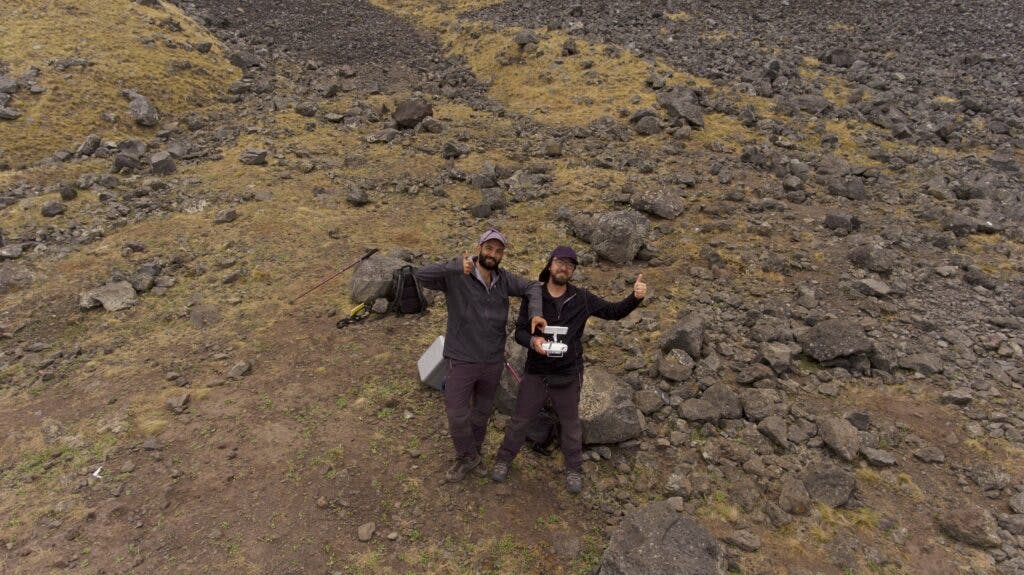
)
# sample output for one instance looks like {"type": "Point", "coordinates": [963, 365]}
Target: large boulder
{"type": "Point", "coordinates": [970, 524]}
{"type": "Point", "coordinates": [410, 112]}
{"type": "Point", "coordinates": [835, 338]}
{"type": "Point", "coordinates": [618, 236]}
{"type": "Point", "coordinates": [656, 540]}
{"type": "Point", "coordinates": [113, 296]}
{"type": "Point", "coordinates": [372, 278]}
{"type": "Point", "coordinates": [607, 410]}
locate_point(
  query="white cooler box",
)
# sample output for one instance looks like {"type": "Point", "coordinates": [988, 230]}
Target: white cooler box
{"type": "Point", "coordinates": [432, 366]}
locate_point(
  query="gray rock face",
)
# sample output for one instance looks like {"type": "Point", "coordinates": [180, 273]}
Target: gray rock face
{"type": "Point", "coordinates": [142, 110]}
{"type": "Point", "coordinates": [687, 334]}
{"type": "Point", "coordinates": [682, 106]}
{"type": "Point", "coordinates": [162, 163]}
{"type": "Point", "coordinates": [114, 296]}
{"type": "Point", "coordinates": [410, 112]}
{"type": "Point", "coordinates": [970, 524]}
{"type": "Point", "coordinates": [252, 157]}
{"type": "Point", "coordinates": [89, 146]}
{"type": "Point", "coordinates": [51, 209]}
{"type": "Point", "coordinates": [830, 485]}
{"type": "Point", "coordinates": [676, 365]}
{"type": "Point", "coordinates": [662, 203]}
{"type": "Point", "coordinates": [1017, 503]}
{"type": "Point", "coordinates": [793, 497]}
{"type": "Point", "coordinates": [834, 338]}
{"type": "Point", "coordinates": [924, 363]}
{"type": "Point", "coordinates": [878, 457]}
{"type": "Point", "coordinates": [607, 410]}
{"type": "Point", "coordinates": [698, 411]}
{"type": "Point", "coordinates": [775, 429]}
{"type": "Point", "coordinates": [839, 435]}
{"type": "Point", "coordinates": [725, 401]}
{"type": "Point", "coordinates": [618, 236]}
{"type": "Point", "coordinates": [372, 278]}
{"type": "Point", "coordinates": [655, 540]}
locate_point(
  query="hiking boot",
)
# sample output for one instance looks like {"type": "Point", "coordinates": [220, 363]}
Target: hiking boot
{"type": "Point", "coordinates": [462, 466]}
{"type": "Point", "coordinates": [573, 482]}
{"type": "Point", "coordinates": [499, 473]}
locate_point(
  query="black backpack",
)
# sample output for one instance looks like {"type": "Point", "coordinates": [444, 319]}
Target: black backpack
{"type": "Point", "coordinates": [542, 431]}
{"type": "Point", "coordinates": [409, 296]}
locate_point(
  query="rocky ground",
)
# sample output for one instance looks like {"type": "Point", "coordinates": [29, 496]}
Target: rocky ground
{"type": "Point", "coordinates": [825, 199]}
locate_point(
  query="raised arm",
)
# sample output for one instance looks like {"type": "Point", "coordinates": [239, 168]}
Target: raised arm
{"type": "Point", "coordinates": [435, 276]}
{"type": "Point", "coordinates": [530, 291]}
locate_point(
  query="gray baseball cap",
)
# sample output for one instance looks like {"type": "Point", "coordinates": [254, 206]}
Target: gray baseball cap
{"type": "Point", "coordinates": [493, 234]}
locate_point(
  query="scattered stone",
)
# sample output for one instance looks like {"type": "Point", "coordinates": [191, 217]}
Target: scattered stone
{"type": "Point", "coordinates": [687, 334]}
{"type": "Point", "coordinates": [958, 396]}
{"type": "Point", "coordinates": [357, 197]}
{"type": "Point", "coordinates": [1017, 503]}
{"type": "Point", "coordinates": [724, 400]}
{"type": "Point", "coordinates": [970, 524]}
{"type": "Point", "coordinates": [923, 363]}
{"type": "Point", "coordinates": [698, 411]}
{"type": "Point", "coordinates": [839, 435]}
{"type": "Point", "coordinates": [657, 539]}
{"type": "Point", "coordinates": [682, 105]}
{"type": "Point", "coordinates": [659, 202]}
{"type": "Point", "coordinates": [878, 457]}
{"type": "Point", "coordinates": [162, 163]}
{"type": "Point", "coordinates": [178, 402]}
{"type": "Point", "coordinates": [52, 209]}
{"type": "Point", "coordinates": [225, 217]}
{"type": "Point", "coordinates": [366, 531]}
{"type": "Point", "coordinates": [114, 296]}
{"type": "Point", "coordinates": [252, 157]}
{"type": "Point", "coordinates": [142, 110]}
{"type": "Point", "coordinates": [774, 428]}
{"type": "Point", "coordinates": [240, 370]}
{"type": "Point", "coordinates": [930, 454]}
{"type": "Point", "coordinates": [834, 338]}
{"type": "Point", "coordinates": [830, 485]}
{"type": "Point", "coordinates": [743, 540]}
{"type": "Point", "coordinates": [793, 497]}
{"type": "Point", "coordinates": [676, 365]}
{"type": "Point", "coordinates": [453, 150]}
{"type": "Point", "coordinates": [873, 287]}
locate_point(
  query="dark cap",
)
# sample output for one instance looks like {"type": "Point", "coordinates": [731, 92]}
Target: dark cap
{"type": "Point", "coordinates": [564, 252]}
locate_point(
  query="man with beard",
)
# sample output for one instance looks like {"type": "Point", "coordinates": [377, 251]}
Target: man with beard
{"type": "Point", "coordinates": [477, 292]}
{"type": "Point", "coordinates": [558, 378]}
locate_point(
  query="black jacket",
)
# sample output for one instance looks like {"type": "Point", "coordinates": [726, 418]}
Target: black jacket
{"type": "Point", "coordinates": [571, 310]}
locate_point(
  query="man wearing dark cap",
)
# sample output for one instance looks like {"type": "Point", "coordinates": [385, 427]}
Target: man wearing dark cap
{"type": "Point", "coordinates": [477, 292]}
{"type": "Point", "coordinates": [558, 378]}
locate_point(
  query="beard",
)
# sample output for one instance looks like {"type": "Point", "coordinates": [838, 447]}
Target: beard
{"type": "Point", "coordinates": [560, 279]}
{"type": "Point", "coordinates": [489, 263]}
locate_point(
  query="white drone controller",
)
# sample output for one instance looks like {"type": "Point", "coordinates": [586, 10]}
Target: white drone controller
{"type": "Point", "coordinates": [555, 348]}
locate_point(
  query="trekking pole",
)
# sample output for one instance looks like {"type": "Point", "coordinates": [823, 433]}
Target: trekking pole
{"type": "Point", "coordinates": [343, 270]}
{"type": "Point", "coordinates": [515, 374]}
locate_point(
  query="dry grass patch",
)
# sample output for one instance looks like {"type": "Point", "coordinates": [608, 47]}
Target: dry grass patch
{"type": "Point", "coordinates": [37, 32]}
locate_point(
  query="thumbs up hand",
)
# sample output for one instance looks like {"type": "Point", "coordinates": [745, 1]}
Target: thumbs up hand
{"type": "Point", "coordinates": [640, 288]}
{"type": "Point", "coordinates": [467, 263]}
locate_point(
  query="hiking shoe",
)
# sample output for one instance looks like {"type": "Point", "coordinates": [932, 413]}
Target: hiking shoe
{"type": "Point", "coordinates": [573, 482]}
{"type": "Point", "coordinates": [462, 466]}
{"type": "Point", "coordinates": [499, 473]}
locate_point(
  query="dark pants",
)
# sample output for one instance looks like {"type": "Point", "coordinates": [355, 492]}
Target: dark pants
{"type": "Point", "coordinates": [469, 394]}
{"type": "Point", "coordinates": [566, 401]}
